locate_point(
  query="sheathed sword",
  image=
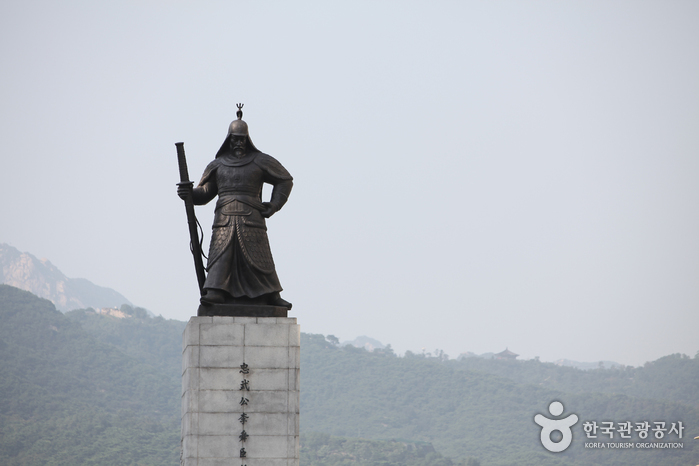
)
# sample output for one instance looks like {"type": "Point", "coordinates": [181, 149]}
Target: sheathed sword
{"type": "Point", "coordinates": [195, 245]}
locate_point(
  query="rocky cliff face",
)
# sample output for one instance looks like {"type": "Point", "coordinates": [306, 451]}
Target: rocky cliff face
{"type": "Point", "coordinates": [41, 277]}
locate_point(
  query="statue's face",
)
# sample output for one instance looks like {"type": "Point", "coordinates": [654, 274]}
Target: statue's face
{"type": "Point", "coordinates": [238, 144]}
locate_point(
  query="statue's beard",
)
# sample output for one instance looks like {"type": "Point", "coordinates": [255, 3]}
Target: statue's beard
{"type": "Point", "coordinates": [239, 150]}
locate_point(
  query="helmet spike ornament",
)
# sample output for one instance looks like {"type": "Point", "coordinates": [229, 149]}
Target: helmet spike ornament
{"type": "Point", "coordinates": [238, 127]}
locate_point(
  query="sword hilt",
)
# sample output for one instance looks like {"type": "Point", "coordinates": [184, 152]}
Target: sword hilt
{"type": "Point", "coordinates": [182, 162]}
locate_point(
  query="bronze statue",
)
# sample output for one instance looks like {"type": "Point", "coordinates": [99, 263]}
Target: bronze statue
{"type": "Point", "coordinates": [240, 266]}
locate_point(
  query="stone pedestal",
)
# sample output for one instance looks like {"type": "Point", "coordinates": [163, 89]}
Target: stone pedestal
{"type": "Point", "coordinates": [240, 390]}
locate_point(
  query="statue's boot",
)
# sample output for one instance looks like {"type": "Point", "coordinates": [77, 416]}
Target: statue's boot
{"type": "Point", "coordinates": [213, 296]}
{"type": "Point", "coordinates": [275, 299]}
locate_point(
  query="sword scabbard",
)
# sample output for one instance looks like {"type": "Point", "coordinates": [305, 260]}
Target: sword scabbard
{"type": "Point", "coordinates": [191, 218]}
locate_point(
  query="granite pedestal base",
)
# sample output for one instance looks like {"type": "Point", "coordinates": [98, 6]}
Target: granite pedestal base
{"type": "Point", "coordinates": [240, 391]}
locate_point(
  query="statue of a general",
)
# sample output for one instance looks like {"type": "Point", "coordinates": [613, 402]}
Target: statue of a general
{"type": "Point", "coordinates": [240, 266]}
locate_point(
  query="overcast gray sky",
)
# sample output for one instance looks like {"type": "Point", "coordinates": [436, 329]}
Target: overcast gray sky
{"type": "Point", "coordinates": [469, 176]}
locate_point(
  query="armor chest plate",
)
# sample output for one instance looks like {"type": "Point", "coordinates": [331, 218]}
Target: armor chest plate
{"type": "Point", "coordinates": [244, 179]}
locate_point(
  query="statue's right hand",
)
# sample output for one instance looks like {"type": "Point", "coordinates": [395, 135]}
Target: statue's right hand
{"type": "Point", "coordinates": [184, 190]}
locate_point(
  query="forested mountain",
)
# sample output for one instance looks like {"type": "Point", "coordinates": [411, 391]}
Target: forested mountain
{"type": "Point", "coordinates": [464, 413]}
{"type": "Point", "coordinates": [91, 389]}
{"type": "Point", "coordinates": [155, 341]}
{"type": "Point", "coordinates": [670, 378]}
{"type": "Point", "coordinates": [318, 449]}
{"type": "Point", "coordinates": [68, 399]}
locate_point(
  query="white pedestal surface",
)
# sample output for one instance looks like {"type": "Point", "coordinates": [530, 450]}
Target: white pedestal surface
{"type": "Point", "coordinates": [216, 391]}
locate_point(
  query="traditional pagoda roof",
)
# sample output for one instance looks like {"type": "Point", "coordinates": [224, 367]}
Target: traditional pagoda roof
{"type": "Point", "coordinates": [507, 354]}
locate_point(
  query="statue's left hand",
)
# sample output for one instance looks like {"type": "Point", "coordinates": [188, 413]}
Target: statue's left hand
{"type": "Point", "coordinates": [184, 190]}
{"type": "Point", "coordinates": [268, 211]}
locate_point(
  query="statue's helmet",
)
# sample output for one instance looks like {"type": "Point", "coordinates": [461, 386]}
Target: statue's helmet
{"type": "Point", "coordinates": [238, 128]}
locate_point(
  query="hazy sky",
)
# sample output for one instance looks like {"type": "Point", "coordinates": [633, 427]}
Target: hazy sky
{"type": "Point", "coordinates": [469, 176]}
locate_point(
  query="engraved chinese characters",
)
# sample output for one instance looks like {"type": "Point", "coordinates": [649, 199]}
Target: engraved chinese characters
{"type": "Point", "coordinates": [240, 398]}
{"type": "Point", "coordinates": [244, 385]}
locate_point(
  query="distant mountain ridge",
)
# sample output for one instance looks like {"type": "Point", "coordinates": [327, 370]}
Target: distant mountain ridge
{"type": "Point", "coordinates": [368, 343]}
{"type": "Point", "coordinates": [85, 389]}
{"type": "Point", "coordinates": [42, 278]}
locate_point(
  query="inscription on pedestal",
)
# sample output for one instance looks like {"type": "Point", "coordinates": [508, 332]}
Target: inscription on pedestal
{"type": "Point", "coordinates": [240, 391]}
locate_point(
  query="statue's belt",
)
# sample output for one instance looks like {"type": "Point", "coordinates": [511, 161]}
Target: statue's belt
{"type": "Point", "coordinates": [228, 205]}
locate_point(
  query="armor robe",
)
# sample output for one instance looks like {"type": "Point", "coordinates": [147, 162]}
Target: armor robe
{"type": "Point", "coordinates": [240, 260]}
